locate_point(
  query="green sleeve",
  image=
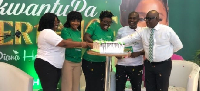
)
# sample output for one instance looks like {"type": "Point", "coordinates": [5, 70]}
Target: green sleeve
{"type": "Point", "coordinates": [65, 34]}
{"type": "Point", "coordinates": [91, 28]}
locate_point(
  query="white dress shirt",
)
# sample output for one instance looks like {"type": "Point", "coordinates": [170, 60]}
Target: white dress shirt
{"type": "Point", "coordinates": [137, 46]}
{"type": "Point", "coordinates": [48, 49]}
{"type": "Point", "coordinates": [166, 41]}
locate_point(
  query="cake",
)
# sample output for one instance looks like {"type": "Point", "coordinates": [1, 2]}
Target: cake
{"type": "Point", "coordinates": [104, 47]}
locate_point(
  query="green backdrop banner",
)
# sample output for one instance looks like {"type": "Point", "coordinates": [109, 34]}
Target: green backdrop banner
{"type": "Point", "coordinates": [24, 15]}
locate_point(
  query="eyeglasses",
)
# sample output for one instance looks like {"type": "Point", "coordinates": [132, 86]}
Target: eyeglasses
{"type": "Point", "coordinates": [141, 19]}
{"type": "Point", "coordinates": [107, 22]}
{"type": "Point", "coordinates": [149, 18]}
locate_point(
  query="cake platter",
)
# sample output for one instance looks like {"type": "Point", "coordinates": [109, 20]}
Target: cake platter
{"type": "Point", "coordinates": [94, 52]}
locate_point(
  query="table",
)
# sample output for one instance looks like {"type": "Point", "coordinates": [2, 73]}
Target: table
{"type": "Point", "coordinates": [108, 65]}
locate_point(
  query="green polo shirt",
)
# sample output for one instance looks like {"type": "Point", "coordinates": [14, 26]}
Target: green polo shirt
{"type": "Point", "coordinates": [72, 54]}
{"type": "Point", "coordinates": [97, 34]}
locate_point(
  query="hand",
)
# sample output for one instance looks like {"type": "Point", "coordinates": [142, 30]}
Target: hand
{"type": "Point", "coordinates": [136, 54]}
{"type": "Point", "coordinates": [90, 45]}
{"type": "Point", "coordinates": [119, 57]}
{"type": "Point", "coordinates": [83, 44]}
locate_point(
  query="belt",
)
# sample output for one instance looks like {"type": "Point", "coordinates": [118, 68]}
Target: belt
{"type": "Point", "coordinates": [158, 62]}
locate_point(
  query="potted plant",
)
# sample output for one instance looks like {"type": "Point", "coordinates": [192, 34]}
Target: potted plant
{"type": "Point", "coordinates": [197, 57]}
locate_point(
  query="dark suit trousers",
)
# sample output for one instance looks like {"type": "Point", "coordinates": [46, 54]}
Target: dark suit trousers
{"type": "Point", "coordinates": [134, 73]}
{"type": "Point", "coordinates": [157, 75]}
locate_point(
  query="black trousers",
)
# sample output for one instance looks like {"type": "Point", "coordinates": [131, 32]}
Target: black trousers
{"type": "Point", "coordinates": [48, 74]}
{"type": "Point", "coordinates": [157, 75]}
{"type": "Point", "coordinates": [134, 73]}
{"type": "Point", "coordinates": [94, 75]}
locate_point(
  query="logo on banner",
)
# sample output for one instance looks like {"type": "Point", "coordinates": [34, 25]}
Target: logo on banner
{"type": "Point", "coordinates": [38, 9]}
{"type": "Point", "coordinates": [9, 57]}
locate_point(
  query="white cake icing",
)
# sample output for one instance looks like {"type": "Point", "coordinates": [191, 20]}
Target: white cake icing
{"type": "Point", "coordinates": [108, 47]}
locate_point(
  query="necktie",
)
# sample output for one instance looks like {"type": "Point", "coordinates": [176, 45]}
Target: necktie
{"type": "Point", "coordinates": [151, 43]}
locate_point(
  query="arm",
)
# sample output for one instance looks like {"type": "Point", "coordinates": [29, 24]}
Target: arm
{"type": "Point", "coordinates": [130, 38]}
{"type": "Point", "coordinates": [136, 54]}
{"type": "Point", "coordinates": [87, 38]}
{"type": "Point", "coordinates": [66, 34]}
{"type": "Point", "coordinates": [52, 38]}
{"type": "Point", "coordinates": [175, 41]}
{"type": "Point", "coordinates": [71, 44]}
{"type": "Point", "coordinates": [90, 31]}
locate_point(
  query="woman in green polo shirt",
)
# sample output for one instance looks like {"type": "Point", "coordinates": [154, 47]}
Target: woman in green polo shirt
{"type": "Point", "coordinates": [71, 70]}
{"type": "Point", "coordinates": [94, 66]}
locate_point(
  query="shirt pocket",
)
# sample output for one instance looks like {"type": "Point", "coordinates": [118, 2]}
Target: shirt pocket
{"type": "Point", "coordinates": [162, 39]}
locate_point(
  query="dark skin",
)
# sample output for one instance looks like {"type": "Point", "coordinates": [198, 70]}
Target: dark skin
{"type": "Point", "coordinates": [69, 43]}
{"type": "Point", "coordinates": [133, 20]}
{"type": "Point", "coordinates": [104, 24]}
{"type": "Point", "coordinates": [126, 7]}
{"type": "Point", "coordinates": [87, 38]}
{"type": "Point", "coordinates": [74, 25]}
{"type": "Point", "coordinates": [152, 18]}
{"type": "Point", "coordinates": [134, 17]}
{"type": "Point", "coordinates": [136, 54]}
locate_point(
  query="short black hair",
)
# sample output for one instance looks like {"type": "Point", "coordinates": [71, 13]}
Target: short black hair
{"type": "Point", "coordinates": [73, 15]}
{"type": "Point", "coordinates": [104, 14]}
{"type": "Point", "coordinates": [47, 21]}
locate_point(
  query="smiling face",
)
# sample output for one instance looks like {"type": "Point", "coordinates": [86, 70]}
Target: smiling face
{"type": "Point", "coordinates": [147, 5]}
{"type": "Point", "coordinates": [152, 19]}
{"type": "Point", "coordinates": [75, 24]}
{"type": "Point", "coordinates": [133, 19]}
{"type": "Point", "coordinates": [105, 23]}
{"type": "Point", "coordinates": [125, 8]}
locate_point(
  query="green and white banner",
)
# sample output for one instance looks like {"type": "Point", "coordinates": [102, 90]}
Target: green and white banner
{"type": "Point", "coordinates": [24, 15]}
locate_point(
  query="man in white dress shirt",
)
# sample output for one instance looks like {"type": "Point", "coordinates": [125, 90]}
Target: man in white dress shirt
{"type": "Point", "coordinates": [130, 67]}
{"type": "Point", "coordinates": [158, 50]}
